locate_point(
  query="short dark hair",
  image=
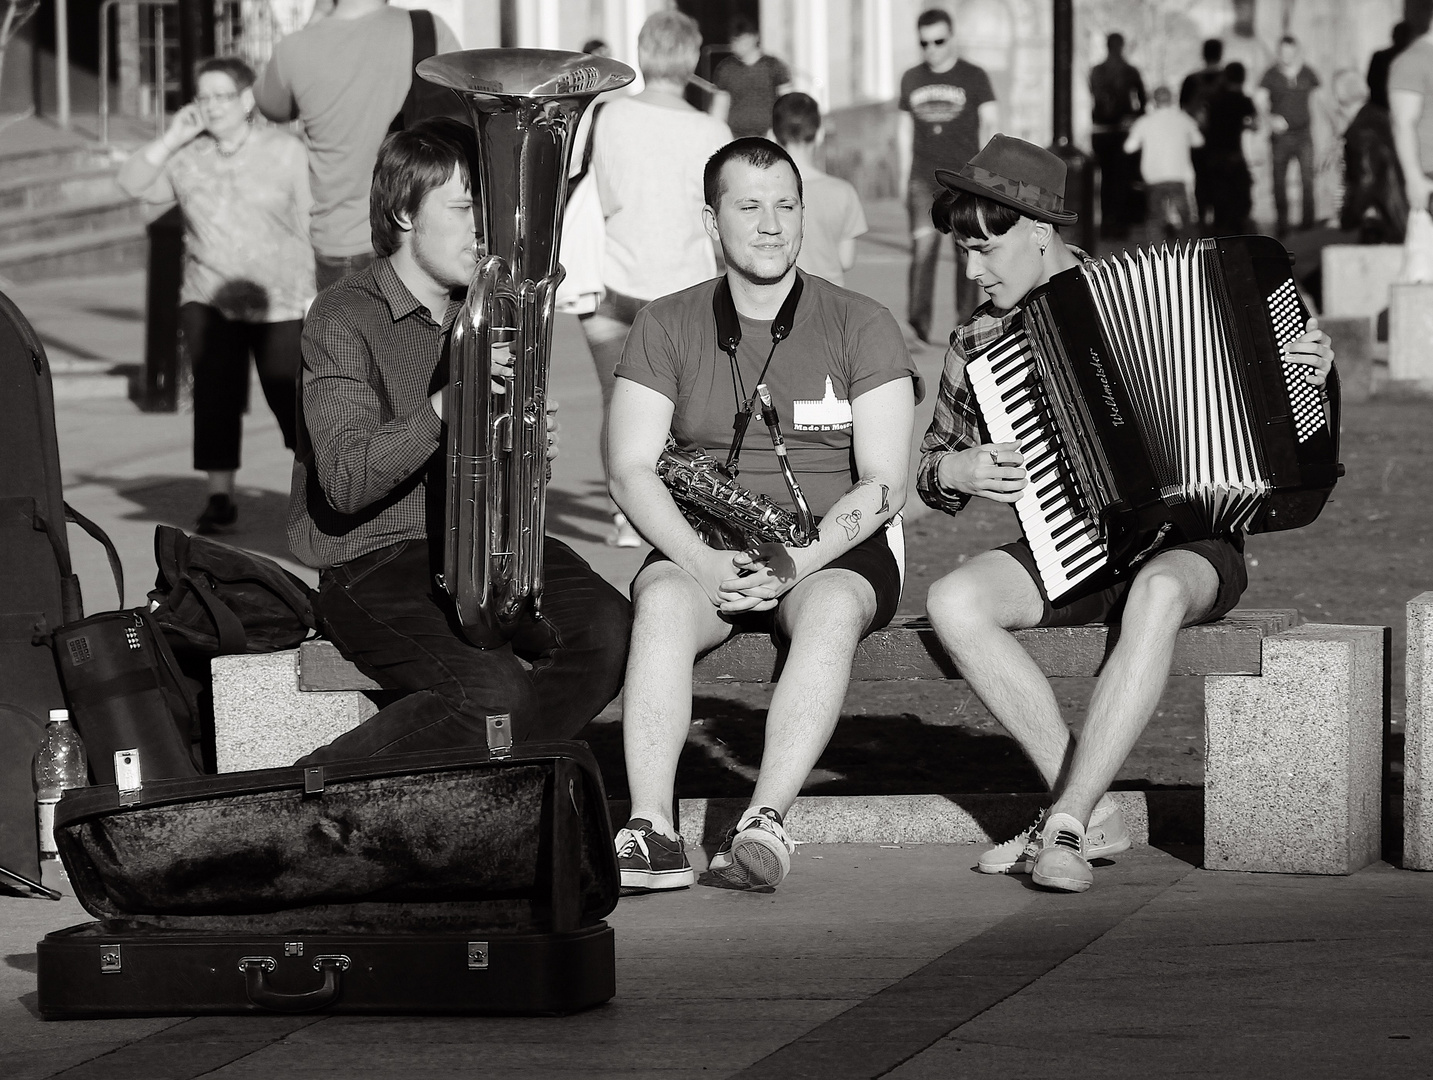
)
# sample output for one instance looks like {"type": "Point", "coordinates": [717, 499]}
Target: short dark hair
{"type": "Point", "coordinates": [962, 213]}
{"type": "Point", "coordinates": [1115, 42]}
{"type": "Point", "coordinates": [411, 164]}
{"type": "Point", "coordinates": [591, 45]}
{"type": "Point", "coordinates": [1288, 39]}
{"type": "Point", "coordinates": [763, 153]}
{"type": "Point", "coordinates": [1234, 74]}
{"type": "Point", "coordinates": [931, 16]}
{"type": "Point", "coordinates": [232, 66]}
{"type": "Point", "coordinates": [795, 118]}
{"type": "Point", "coordinates": [1213, 51]}
{"type": "Point", "coordinates": [739, 25]}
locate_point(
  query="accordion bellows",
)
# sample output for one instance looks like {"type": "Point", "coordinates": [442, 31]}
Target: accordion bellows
{"type": "Point", "coordinates": [1149, 396]}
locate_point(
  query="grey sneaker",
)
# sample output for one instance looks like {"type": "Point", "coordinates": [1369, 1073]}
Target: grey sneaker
{"type": "Point", "coordinates": [1061, 862]}
{"type": "Point", "coordinates": [649, 860]}
{"type": "Point", "coordinates": [1107, 835]}
{"type": "Point", "coordinates": [757, 852]}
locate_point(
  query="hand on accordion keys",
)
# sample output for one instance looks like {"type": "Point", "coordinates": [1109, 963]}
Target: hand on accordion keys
{"type": "Point", "coordinates": [1314, 348]}
{"type": "Point", "coordinates": [992, 470]}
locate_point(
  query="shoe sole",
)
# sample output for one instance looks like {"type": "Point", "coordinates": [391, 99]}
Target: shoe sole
{"type": "Point", "coordinates": [1063, 884]}
{"type": "Point", "coordinates": [762, 863]}
{"type": "Point", "coordinates": [659, 879]}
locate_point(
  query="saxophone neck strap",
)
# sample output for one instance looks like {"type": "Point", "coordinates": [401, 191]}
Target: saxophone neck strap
{"type": "Point", "coordinates": [728, 330]}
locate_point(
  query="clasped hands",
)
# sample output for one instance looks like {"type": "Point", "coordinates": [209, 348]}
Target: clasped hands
{"type": "Point", "coordinates": [751, 580]}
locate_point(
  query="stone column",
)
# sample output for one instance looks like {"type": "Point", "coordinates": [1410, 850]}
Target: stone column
{"type": "Point", "coordinates": [1293, 771]}
{"type": "Point", "coordinates": [1418, 737]}
{"type": "Point", "coordinates": [1410, 335]}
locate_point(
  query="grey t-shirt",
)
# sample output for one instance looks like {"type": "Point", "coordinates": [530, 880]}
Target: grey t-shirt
{"type": "Point", "coordinates": [344, 80]}
{"type": "Point", "coordinates": [1413, 71]}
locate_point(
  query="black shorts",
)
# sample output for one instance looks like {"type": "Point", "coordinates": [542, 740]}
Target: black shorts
{"type": "Point", "coordinates": [872, 558]}
{"type": "Point", "coordinates": [1105, 606]}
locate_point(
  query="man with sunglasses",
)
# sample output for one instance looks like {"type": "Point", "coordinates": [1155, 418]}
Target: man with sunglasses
{"type": "Point", "coordinates": [948, 112]}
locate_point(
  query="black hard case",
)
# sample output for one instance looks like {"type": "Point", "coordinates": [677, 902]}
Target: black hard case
{"type": "Point", "coordinates": [439, 882]}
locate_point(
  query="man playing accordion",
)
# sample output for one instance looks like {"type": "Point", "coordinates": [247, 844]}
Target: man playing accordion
{"type": "Point", "coordinates": [1004, 209]}
{"type": "Point", "coordinates": [842, 384]}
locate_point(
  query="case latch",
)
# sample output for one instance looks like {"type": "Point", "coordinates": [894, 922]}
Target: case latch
{"type": "Point", "coordinates": [111, 960]}
{"type": "Point", "coordinates": [128, 776]}
{"type": "Point", "coordinates": [313, 780]}
{"type": "Point", "coordinates": [478, 956]}
{"type": "Point", "coordinates": [500, 735]}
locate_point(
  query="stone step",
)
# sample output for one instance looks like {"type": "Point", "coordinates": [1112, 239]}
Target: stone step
{"type": "Point", "coordinates": [60, 160]}
{"type": "Point", "coordinates": [44, 223]}
{"type": "Point", "coordinates": [58, 189]}
{"type": "Point", "coordinates": [122, 247]}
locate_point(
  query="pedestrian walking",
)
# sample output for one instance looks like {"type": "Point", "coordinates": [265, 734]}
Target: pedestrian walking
{"type": "Point", "coordinates": [832, 215]}
{"type": "Point", "coordinates": [1283, 96]}
{"type": "Point", "coordinates": [1194, 94]}
{"type": "Point", "coordinates": [947, 111]}
{"type": "Point", "coordinates": [750, 81]}
{"type": "Point", "coordinates": [243, 189]}
{"type": "Point", "coordinates": [1231, 112]}
{"type": "Point", "coordinates": [1166, 138]}
{"type": "Point", "coordinates": [1410, 82]}
{"type": "Point", "coordinates": [1119, 99]}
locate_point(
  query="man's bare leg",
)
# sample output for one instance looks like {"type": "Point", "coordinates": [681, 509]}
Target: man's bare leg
{"type": "Point", "coordinates": [673, 621]}
{"type": "Point", "coordinates": [1175, 589]}
{"type": "Point", "coordinates": [824, 616]}
{"type": "Point", "coordinates": [973, 611]}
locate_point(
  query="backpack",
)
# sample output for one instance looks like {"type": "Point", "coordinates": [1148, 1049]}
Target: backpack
{"type": "Point", "coordinates": [425, 99]}
{"type": "Point", "coordinates": [210, 599]}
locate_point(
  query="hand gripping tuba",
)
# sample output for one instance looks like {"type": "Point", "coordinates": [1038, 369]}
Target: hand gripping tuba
{"type": "Point", "coordinates": [525, 105]}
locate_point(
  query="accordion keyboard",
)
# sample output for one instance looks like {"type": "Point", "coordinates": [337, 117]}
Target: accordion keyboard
{"type": "Point", "coordinates": [1062, 532]}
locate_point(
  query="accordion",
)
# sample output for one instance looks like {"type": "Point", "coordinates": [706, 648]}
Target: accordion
{"type": "Point", "coordinates": [1149, 398]}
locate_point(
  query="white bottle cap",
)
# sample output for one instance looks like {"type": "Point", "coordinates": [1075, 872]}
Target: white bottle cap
{"type": "Point", "coordinates": [59, 714]}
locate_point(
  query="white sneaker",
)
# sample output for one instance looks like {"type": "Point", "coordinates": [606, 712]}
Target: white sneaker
{"type": "Point", "coordinates": [1061, 863]}
{"type": "Point", "coordinates": [1107, 835]}
{"type": "Point", "coordinates": [757, 851]}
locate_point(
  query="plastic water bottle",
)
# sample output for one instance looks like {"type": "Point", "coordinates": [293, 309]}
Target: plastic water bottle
{"type": "Point", "coordinates": [59, 764]}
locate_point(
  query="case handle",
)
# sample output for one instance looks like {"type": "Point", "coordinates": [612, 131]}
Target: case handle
{"type": "Point", "coordinates": [256, 983]}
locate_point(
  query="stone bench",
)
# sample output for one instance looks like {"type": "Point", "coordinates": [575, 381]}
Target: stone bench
{"type": "Point", "coordinates": [1418, 737]}
{"type": "Point", "coordinates": [1294, 718]}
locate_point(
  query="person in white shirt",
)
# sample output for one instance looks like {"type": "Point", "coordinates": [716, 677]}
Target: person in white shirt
{"type": "Point", "coordinates": [1167, 135]}
{"type": "Point", "coordinates": [833, 216]}
{"type": "Point", "coordinates": [648, 154]}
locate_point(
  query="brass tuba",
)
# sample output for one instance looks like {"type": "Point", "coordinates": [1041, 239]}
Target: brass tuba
{"type": "Point", "coordinates": [525, 105]}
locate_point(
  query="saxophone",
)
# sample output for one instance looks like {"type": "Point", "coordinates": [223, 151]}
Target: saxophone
{"type": "Point", "coordinates": [727, 515]}
{"type": "Point", "coordinates": [525, 105]}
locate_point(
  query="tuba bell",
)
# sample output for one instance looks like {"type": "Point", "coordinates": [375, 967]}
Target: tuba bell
{"type": "Point", "coordinates": [525, 105]}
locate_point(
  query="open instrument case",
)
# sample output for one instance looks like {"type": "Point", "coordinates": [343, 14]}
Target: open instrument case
{"type": "Point", "coordinates": [437, 882]}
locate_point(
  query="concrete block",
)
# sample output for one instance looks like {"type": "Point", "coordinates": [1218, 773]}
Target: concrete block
{"type": "Point", "coordinates": [1418, 737]}
{"type": "Point", "coordinates": [1293, 776]}
{"type": "Point", "coordinates": [262, 721]}
{"type": "Point", "coordinates": [1410, 335]}
{"type": "Point", "coordinates": [1357, 277]}
{"type": "Point", "coordinates": [1353, 353]}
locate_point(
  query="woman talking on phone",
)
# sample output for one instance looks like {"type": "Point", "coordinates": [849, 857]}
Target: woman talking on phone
{"type": "Point", "coordinates": [248, 267]}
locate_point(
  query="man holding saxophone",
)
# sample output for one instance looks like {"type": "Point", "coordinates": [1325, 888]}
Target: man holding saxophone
{"type": "Point", "coordinates": [367, 503]}
{"type": "Point", "coordinates": [836, 370]}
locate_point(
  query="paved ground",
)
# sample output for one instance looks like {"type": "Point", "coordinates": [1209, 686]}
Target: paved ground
{"type": "Point", "coordinates": [875, 961]}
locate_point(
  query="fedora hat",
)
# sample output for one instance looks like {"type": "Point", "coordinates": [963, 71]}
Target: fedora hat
{"type": "Point", "coordinates": [1018, 174]}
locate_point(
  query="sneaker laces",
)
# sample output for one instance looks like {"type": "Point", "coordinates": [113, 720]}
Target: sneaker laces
{"type": "Point", "coordinates": [628, 841]}
{"type": "Point", "coordinates": [768, 819]}
{"type": "Point", "coordinates": [1066, 839]}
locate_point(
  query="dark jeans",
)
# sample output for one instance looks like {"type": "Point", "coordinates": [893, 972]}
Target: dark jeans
{"type": "Point", "coordinates": [218, 350]}
{"type": "Point", "coordinates": [385, 614]}
{"type": "Point", "coordinates": [331, 268]}
{"type": "Point", "coordinates": [1283, 149]}
{"type": "Point", "coordinates": [1118, 172]}
{"type": "Point", "coordinates": [925, 251]}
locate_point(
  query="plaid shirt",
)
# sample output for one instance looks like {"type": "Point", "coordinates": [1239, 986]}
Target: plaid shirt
{"type": "Point", "coordinates": [956, 424]}
{"type": "Point", "coordinates": [368, 432]}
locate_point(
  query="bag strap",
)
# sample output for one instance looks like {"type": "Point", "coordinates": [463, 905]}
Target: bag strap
{"type": "Point", "coordinates": [115, 566]}
{"type": "Point", "coordinates": [233, 638]}
{"type": "Point", "coordinates": [166, 654]}
{"type": "Point", "coordinates": [425, 44]}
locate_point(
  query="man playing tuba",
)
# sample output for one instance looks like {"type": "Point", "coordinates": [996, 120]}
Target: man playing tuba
{"type": "Point", "coordinates": [841, 380]}
{"type": "Point", "coordinates": [367, 504]}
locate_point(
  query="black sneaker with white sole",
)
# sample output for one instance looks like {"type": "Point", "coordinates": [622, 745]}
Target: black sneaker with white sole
{"type": "Point", "coordinates": [649, 860]}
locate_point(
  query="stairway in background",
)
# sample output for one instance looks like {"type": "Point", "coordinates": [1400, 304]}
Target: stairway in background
{"type": "Point", "coordinates": [63, 215]}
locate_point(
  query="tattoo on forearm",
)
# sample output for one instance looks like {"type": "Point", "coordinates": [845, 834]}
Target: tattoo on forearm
{"type": "Point", "coordinates": [885, 499]}
{"type": "Point", "coordinates": [851, 522]}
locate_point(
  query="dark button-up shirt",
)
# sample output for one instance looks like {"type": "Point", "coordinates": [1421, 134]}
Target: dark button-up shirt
{"type": "Point", "coordinates": [956, 424]}
{"type": "Point", "coordinates": [368, 434]}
